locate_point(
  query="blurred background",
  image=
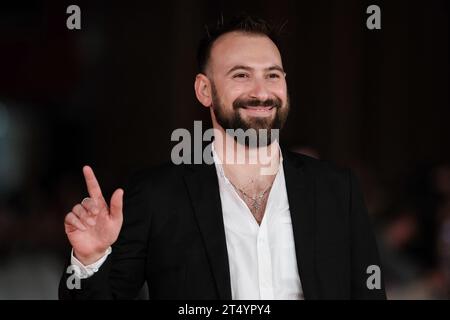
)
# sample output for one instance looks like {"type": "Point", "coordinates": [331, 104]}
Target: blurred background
{"type": "Point", "coordinates": [111, 94]}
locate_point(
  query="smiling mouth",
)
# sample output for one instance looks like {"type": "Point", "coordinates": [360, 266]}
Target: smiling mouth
{"type": "Point", "coordinates": [258, 108]}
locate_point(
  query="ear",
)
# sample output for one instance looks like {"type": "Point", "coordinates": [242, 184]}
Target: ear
{"type": "Point", "coordinates": [202, 88]}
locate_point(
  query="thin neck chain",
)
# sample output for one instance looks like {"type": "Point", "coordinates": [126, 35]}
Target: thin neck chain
{"type": "Point", "coordinates": [256, 201]}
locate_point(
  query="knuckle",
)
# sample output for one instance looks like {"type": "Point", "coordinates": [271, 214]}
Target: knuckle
{"type": "Point", "coordinates": [91, 205]}
{"type": "Point", "coordinates": [70, 218]}
{"type": "Point", "coordinates": [86, 202]}
{"type": "Point", "coordinates": [81, 209]}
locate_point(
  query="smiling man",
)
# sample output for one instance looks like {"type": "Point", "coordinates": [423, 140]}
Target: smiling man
{"type": "Point", "coordinates": [229, 230]}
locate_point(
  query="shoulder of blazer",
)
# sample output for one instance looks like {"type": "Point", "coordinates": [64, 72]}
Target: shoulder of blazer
{"type": "Point", "coordinates": [315, 167]}
{"type": "Point", "coordinates": [162, 174]}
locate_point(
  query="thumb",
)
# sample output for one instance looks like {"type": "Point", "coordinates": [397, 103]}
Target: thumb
{"type": "Point", "coordinates": [116, 205]}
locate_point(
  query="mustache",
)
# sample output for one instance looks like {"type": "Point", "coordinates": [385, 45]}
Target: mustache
{"type": "Point", "coordinates": [241, 103]}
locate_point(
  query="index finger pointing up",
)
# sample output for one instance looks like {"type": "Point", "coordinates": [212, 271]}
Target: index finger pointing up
{"type": "Point", "coordinates": [91, 183]}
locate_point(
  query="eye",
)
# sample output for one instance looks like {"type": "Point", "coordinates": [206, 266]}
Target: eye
{"type": "Point", "coordinates": [241, 75]}
{"type": "Point", "coordinates": [274, 76]}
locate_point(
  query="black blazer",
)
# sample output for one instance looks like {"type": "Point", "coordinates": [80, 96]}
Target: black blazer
{"type": "Point", "coordinates": [173, 236]}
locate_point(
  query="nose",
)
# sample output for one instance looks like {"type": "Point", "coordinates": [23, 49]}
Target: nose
{"type": "Point", "coordinates": [259, 90]}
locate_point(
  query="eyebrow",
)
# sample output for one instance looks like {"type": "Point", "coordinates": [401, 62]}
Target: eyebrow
{"type": "Point", "coordinates": [242, 67]}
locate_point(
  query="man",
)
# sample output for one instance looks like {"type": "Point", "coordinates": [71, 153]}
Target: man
{"type": "Point", "coordinates": [230, 230]}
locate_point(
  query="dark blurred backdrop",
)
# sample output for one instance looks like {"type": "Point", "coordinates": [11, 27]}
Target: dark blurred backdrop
{"type": "Point", "coordinates": [111, 94]}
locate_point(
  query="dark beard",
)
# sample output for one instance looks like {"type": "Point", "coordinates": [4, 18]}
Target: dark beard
{"type": "Point", "coordinates": [235, 122]}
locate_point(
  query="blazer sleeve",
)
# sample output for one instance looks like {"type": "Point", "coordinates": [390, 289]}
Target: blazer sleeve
{"type": "Point", "coordinates": [365, 260]}
{"type": "Point", "coordinates": [122, 275]}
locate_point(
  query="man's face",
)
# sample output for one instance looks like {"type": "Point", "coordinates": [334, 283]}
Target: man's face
{"type": "Point", "coordinates": [248, 86]}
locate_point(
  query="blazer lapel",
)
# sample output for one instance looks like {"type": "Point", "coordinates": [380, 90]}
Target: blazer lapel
{"type": "Point", "coordinates": [203, 188]}
{"type": "Point", "coordinates": [300, 190]}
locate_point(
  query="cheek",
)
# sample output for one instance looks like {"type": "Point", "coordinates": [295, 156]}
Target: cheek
{"type": "Point", "coordinates": [281, 92]}
{"type": "Point", "coordinates": [232, 92]}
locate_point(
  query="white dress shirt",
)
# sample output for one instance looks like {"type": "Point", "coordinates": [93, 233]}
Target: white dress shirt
{"type": "Point", "coordinates": [262, 258]}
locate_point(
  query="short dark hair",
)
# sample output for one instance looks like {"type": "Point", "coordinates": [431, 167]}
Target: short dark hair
{"type": "Point", "coordinates": [242, 23]}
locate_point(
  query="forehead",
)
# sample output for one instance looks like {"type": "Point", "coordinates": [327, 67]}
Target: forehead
{"type": "Point", "coordinates": [238, 48]}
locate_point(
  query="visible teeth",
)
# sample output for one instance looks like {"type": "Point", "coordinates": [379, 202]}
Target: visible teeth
{"type": "Point", "coordinates": [259, 108]}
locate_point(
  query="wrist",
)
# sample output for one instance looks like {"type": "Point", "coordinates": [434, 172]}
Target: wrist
{"type": "Point", "coordinates": [89, 258]}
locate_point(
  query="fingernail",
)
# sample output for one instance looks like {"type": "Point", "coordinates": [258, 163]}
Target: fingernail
{"type": "Point", "coordinates": [91, 221]}
{"type": "Point", "coordinates": [95, 210]}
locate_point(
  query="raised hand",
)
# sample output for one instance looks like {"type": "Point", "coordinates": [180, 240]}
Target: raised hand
{"type": "Point", "coordinates": [92, 226]}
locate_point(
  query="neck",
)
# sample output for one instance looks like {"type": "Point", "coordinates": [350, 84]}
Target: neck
{"type": "Point", "coordinates": [243, 164]}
